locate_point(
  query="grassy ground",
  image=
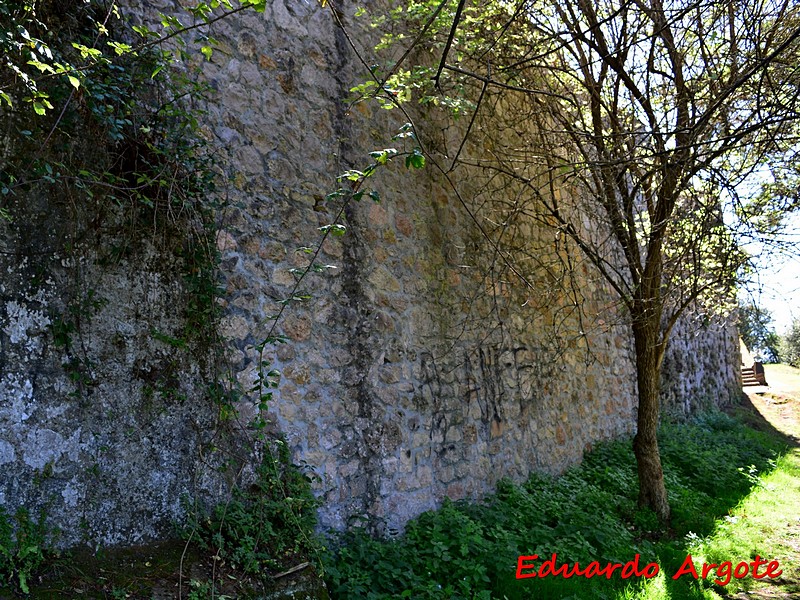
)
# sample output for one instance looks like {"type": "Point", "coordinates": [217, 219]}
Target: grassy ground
{"type": "Point", "coordinates": [763, 524]}
{"type": "Point", "coordinates": [769, 518]}
{"type": "Point", "coordinates": [767, 521]}
{"type": "Point", "coordinates": [783, 378]}
{"type": "Point", "coordinates": [733, 501]}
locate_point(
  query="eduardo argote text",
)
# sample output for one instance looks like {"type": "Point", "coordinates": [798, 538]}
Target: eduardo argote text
{"type": "Point", "coordinates": [758, 568]}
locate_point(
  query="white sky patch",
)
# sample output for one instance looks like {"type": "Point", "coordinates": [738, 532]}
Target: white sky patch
{"type": "Point", "coordinates": [776, 283]}
{"type": "Point", "coordinates": [777, 286]}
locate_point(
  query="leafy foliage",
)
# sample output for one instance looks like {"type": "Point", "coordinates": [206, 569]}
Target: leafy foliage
{"type": "Point", "coordinates": [790, 345]}
{"type": "Point", "coordinates": [264, 525]}
{"type": "Point", "coordinates": [119, 161]}
{"type": "Point", "coordinates": [24, 544]}
{"type": "Point", "coordinates": [68, 56]}
{"type": "Point", "coordinates": [34, 54]}
{"type": "Point", "coordinates": [466, 550]}
{"type": "Point", "coordinates": [756, 332]}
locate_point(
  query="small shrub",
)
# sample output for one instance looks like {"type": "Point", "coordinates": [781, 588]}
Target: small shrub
{"type": "Point", "coordinates": [790, 345]}
{"type": "Point", "coordinates": [264, 525]}
{"type": "Point", "coordinates": [23, 547]}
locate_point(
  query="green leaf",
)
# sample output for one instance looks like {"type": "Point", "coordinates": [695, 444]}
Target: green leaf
{"type": "Point", "coordinates": [364, 88]}
{"type": "Point", "coordinates": [256, 5]}
{"type": "Point", "coordinates": [6, 98]}
{"type": "Point", "coordinates": [406, 131]}
{"type": "Point", "coordinates": [334, 195]}
{"type": "Point", "coordinates": [382, 156]}
{"type": "Point", "coordinates": [202, 10]}
{"type": "Point", "coordinates": [23, 583]}
{"type": "Point", "coordinates": [207, 51]}
{"type": "Point", "coordinates": [415, 160]}
{"type": "Point", "coordinates": [120, 48]}
{"type": "Point", "coordinates": [336, 229]}
{"type": "Point", "coordinates": [322, 268]}
{"type": "Point", "coordinates": [43, 67]}
{"type": "Point", "coordinates": [87, 52]}
{"type": "Point", "coordinates": [351, 175]}
{"type": "Point", "coordinates": [74, 81]}
{"type": "Point", "coordinates": [144, 31]}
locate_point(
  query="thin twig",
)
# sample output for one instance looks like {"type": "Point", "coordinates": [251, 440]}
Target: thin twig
{"type": "Point", "coordinates": [294, 569]}
{"type": "Point", "coordinates": [450, 37]}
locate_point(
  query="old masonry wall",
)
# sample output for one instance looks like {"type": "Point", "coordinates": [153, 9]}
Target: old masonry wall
{"type": "Point", "coordinates": [416, 371]}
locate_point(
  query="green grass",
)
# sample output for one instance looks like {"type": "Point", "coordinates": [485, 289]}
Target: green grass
{"type": "Point", "coordinates": [784, 378]}
{"type": "Point", "coordinates": [715, 467]}
{"type": "Point", "coordinates": [764, 524]}
{"type": "Point", "coordinates": [759, 524]}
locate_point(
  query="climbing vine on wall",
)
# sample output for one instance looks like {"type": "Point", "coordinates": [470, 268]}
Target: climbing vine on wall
{"type": "Point", "coordinates": [100, 157]}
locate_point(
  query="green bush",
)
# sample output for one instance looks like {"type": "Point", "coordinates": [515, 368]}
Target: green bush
{"type": "Point", "coordinates": [790, 345]}
{"type": "Point", "coordinates": [757, 333]}
{"type": "Point", "coordinates": [265, 524]}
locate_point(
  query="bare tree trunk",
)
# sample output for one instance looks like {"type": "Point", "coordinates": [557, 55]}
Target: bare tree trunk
{"type": "Point", "coordinates": [652, 491]}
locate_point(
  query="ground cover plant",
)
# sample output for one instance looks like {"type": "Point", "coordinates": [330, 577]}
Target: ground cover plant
{"type": "Point", "coordinates": [235, 549]}
{"type": "Point", "coordinates": [468, 550]}
{"type": "Point", "coordinates": [23, 547]}
{"type": "Point", "coordinates": [758, 526]}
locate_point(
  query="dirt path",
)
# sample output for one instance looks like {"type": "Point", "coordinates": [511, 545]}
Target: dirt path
{"type": "Point", "coordinates": [779, 404]}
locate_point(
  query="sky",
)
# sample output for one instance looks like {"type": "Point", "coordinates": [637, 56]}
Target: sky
{"type": "Point", "coordinates": [780, 293]}
{"type": "Point", "coordinates": [779, 283]}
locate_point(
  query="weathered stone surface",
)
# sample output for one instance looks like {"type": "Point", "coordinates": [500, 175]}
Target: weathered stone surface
{"type": "Point", "coordinates": [419, 369]}
{"type": "Point", "coordinates": [98, 426]}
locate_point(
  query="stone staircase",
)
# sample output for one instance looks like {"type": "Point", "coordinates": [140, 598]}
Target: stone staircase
{"type": "Point", "coordinates": [752, 370]}
{"type": "Point", "coordinates": [753, 375]}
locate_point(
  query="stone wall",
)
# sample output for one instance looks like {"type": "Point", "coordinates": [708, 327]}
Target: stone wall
{"type": "Point", "coordinates": [702, 367]}
{"type": "Point", "coordinates": [421, 368]}
{"type": "Point", "coordinates": [101, 422]}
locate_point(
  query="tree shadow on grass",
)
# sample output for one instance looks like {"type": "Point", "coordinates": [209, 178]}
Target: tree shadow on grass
{"type": "Point", "coordinates": [749, 413]}
{"type": "Point", "coordinates": [710, 471]}
{"type": "Point", "coordinates": [672, 557]}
